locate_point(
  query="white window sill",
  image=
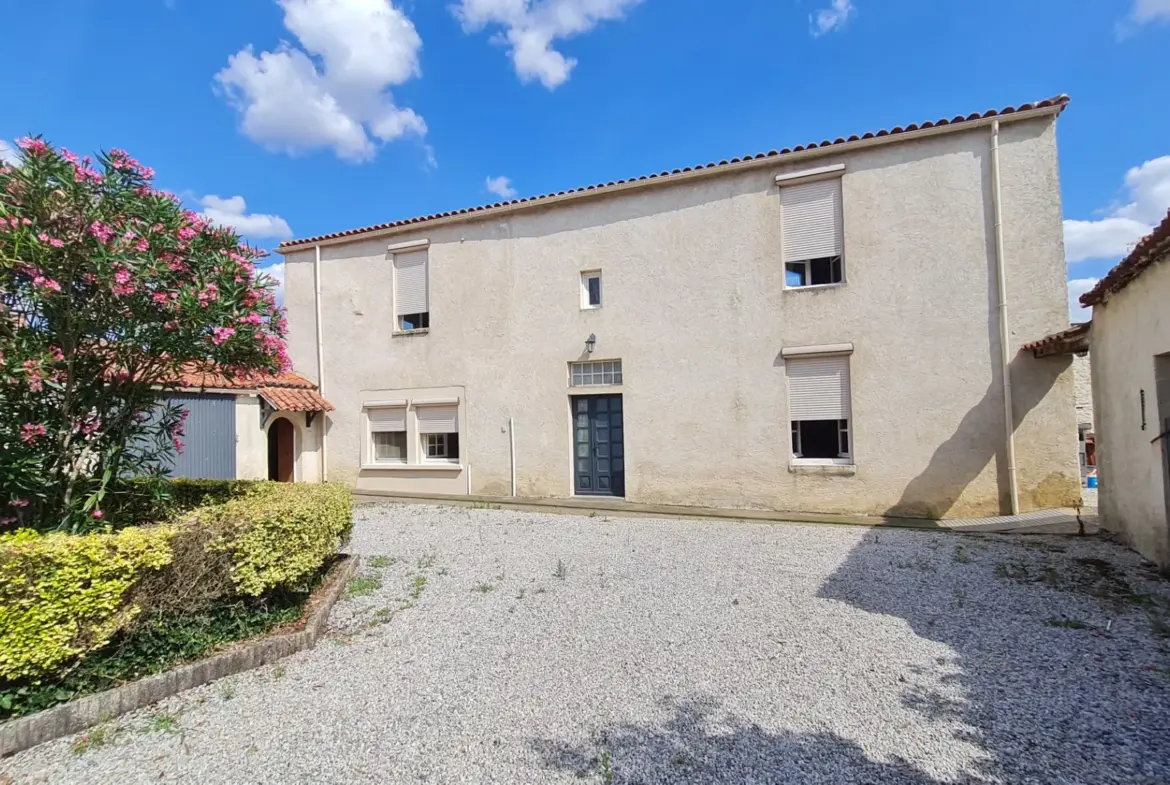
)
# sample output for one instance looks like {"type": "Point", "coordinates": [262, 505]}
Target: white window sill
{"type": "Point", "coordinates": [590, 307]}
{"type": "Point", "coordinates": [827, 467]}
{"type": "Point", "coordinates": [412, 467]}
{"type": "Point", "coordinates": [404, 333]}
{"type": "Point", "coordinates": [814, 287]}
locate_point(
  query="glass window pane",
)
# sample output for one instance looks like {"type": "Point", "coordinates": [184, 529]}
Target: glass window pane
{"type": "Point", "coordinates": [390, 447]}
{"type": "Point", "coordinates": [594, 290]}
{"type": "Point", "coordinates": [795, 274]}
{"type": "Point", "coordinates": [583, 405]}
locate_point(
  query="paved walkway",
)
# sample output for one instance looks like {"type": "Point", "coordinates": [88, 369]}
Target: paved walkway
{"type": "Point", "coordinates": [1061, 521]}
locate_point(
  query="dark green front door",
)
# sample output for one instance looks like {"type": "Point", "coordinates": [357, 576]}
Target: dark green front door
{"type": "Point", "coordinates": [599, 457]}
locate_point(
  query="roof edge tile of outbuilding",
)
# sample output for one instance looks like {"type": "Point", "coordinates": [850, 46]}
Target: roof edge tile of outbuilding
{"type": "Point", "coordinates": [1149, 250]}
{"type": "Point", "coordinates": [1074, 340]}
{"type": "Point", "coordinates": [1054, 105]}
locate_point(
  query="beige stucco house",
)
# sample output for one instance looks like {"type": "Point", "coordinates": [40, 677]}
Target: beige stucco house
{"type": "Point", "coordinates": [824, 328]}
{"type": "Point", "coordinates": [1130, 346]}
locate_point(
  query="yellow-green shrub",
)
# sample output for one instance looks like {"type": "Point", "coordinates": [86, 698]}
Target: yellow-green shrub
{"type": "Point", "coordinates": [278, 534]}
{"type": "Point", "coordinates": [62, 595]}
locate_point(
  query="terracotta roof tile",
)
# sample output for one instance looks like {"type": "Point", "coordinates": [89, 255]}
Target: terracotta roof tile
{"type": "Point", "coordinates": [1059, 102]}
{"type": "Point", "coordinates": [295, 400]}
{"type": "Point", "coordinates": [203, 380]}
{"type": "Point", "coordinates": [1074, 339]}
{"type": "Point", "coordinates": [1152, 248]}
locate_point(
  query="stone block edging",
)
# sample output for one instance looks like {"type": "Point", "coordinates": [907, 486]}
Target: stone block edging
{"type": "Point", "coordinates": [77, 715]}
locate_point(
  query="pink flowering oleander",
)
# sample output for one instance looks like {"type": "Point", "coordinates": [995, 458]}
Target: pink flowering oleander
{"type": "Point", "coordinates": [32, 146]}
{"type": "Point", "coordinates": [221, 334]}
{"type": "Point", "coordinates": [102, 232]}
{"type": "Point", "coordinates": [30, 433]}
{"type": "Point", "coordinates": [46, 284]}
{"type": "Point", "coordinates": [56, 354]}
{"type": "Point", "coordinates": [18, 503]}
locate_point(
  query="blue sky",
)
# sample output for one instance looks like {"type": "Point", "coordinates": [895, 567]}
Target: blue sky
{"type": "Point", "coordinates": [297, 117]}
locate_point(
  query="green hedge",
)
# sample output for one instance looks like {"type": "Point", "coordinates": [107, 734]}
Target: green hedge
{"type": "Point", "coordinates": [62, 595]}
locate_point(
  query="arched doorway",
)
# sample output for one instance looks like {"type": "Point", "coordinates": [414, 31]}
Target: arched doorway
{"type": "Point", "coordinates": [280, 450]}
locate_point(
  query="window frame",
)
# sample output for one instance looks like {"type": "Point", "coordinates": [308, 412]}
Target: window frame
{"type": "Point", "coordinates": [371, 447]}
{"type": "Point", "coordinates": [844, 458]}
{"type": "Point", "coordinates": [807, 265]}
{"type": "Point", "coordinates": [586, 277]}
{"type": "Point", "coordinates": [615, 372]}
{"type": "Point", "coordinates": [425, 448]}
{"type": "Point", "coordinates": [805, 177]}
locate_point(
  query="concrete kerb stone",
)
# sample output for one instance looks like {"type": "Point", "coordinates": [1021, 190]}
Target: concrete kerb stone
{"type": "Point", "coordinates": [77, 715]}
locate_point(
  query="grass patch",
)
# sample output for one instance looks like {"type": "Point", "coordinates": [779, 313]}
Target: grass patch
{"type": "Point", "coordinates": [562, 570]}
{"type": "Point", "coordinates": [426, 561]}
{"type": "Point", "coordinates": [227, 690]}
{"type": "Point", "coordinates": [381, 562]}
{"type": "Point", "coordinates": [155, 644]}
{"type": "Point", "coordinates": [417, 586]}
{"type": "Point", "coordinates": [1068, 624]}
{"type": "Point", "coordinates": [362, 586]}
{"type": "Point", "coordinates": [95, 738]}
{"type": "Point", "coordinates": [482, 588]}
{"type": "Point", "coordinates": [162, 723]}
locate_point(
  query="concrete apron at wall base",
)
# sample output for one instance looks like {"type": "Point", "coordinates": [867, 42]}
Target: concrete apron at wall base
{"type": "Point", "coordinates": [1040, 522]}
{"type": "Point", "coordinates": [77, 715]}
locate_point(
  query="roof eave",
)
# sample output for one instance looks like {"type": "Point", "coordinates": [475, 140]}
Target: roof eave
{"type": "Point", "coordinates": [540, 202]}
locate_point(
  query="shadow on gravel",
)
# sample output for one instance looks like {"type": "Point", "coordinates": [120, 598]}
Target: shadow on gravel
{"type": "Point", "coordinates": [699, 745]}
{"type": "Point", "coordinates": [1049, 699]}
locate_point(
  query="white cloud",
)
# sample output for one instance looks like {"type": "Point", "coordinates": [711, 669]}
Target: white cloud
{"type": "Point", "coordinates": [828, 20]}
{"type": "Point", "coordinates": [276, 270]}
{"type": "Point", "coordinates": [1148, 195]}
{"type": "Point", "coordinates": [1143, 12]}
{"type": "Point", "coordinates": [291, 104]}
{"type": "Point", "coordinates": [8, 153]}
{"type": "Point", "coordinates": [232, 212]}
{"type": "Point", "coordinates": [1077, 287]}
{"type": "Point", "coordinates": [531, 27]}
{"type": "Point", "coordinates": [501, 187]}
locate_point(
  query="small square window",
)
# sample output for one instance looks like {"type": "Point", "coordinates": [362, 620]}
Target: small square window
{"type": "Point", "coordinates": [441, 446]}
{"type": "Point", "coordinates": [591, 289]}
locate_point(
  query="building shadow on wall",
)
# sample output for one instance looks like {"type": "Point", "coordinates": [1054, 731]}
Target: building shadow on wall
{"type": "Point", "coordinates": [700, 744]}
{"type": "Point", "coordinates": [978, 440]}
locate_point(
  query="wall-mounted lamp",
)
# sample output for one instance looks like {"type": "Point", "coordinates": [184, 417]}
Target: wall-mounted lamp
{"type": "Point", "coordinates": [590, 342]}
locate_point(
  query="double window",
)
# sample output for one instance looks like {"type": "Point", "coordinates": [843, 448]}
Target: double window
{"type": "Point", "coordinates": [406, 433]}
{"type": "Point", "coordinates": [819, 409]}
{"type": "Point", "coordinates": [813, 233]}
{"type": "Point", "coordinates": [411, 295]}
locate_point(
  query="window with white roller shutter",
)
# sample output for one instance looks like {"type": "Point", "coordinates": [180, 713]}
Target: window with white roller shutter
{"type": "Point", "coordinates": [819, 408]}
{"type": "Point", "coordinates": [438, 428]}
{"type": "Point", "coordinates": [813, 233]}
{"type": "Point", "coordinates": [387, 433]}
{"type": "Point", "coordinates": [411, 295]}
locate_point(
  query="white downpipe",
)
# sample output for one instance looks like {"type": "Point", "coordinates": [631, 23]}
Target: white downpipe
{"type": "Point", "coordinates": [512, 451]}
{"type": "Point", "coordinates": [1004, 332]}
{"type": "Point", "coordinates": [320, 361]}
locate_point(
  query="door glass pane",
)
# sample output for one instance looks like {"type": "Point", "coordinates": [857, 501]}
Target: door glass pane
{"type": "Point", "coordinates": [582, 404]}
{"type": "Point", "coordinates": [603, 404]}
{"type": "Point", "coordinates": [582, 420]}
{"type": "Point", "coordinates": [603, 465]}
{"type": "Point", "coordinates": [603, 420]}
{"type": "Point", "coordinates": [583, 465]}
{"type": "Point", "coordinates": [617, 434]}
{"type": "Point", "coordinates": [582, 450]}
{"type": "Point", "coordinates": [603, 451]}
{"type": "Point", "coordinates": [583, 435]}
{"type": "Point", "coordinates": [601, 435]}
{"type": "Point", "coordinates": [618, 449]}
{"type": "Point", "coordinates": [617, 464]}
{"type": "Point", "coordinates": [615, 403]}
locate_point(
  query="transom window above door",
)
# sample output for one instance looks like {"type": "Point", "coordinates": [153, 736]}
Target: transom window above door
{"type": "Point", "coordinates": [591, 374]}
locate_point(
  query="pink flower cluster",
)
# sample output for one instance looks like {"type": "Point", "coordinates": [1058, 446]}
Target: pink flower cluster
{"type": "Point", "coordinates": [209, 294]}
{"type": "Point", "coordinates": [30, 433]}
{"type": "Point", "coordinates": [124, 282]}
{"type": "Point", "coordinates": [32, 146]}
{"type": "Point", "coordinates": [102, 232]}
{"type": "Point", "coordinates": [18, 503]}
{"type": "Point", "coordinates": [13, 223]}
{"type": "Point", "coordinates": [45, 284]}
{"type": "Point", "coordinates": [52, 241]}
{"type": "Point", "coordinates": [123, 160]}
{"type": "Point", "coordinates": [35, 378]}
{"type": "Point", "coordinates": [221, 334]}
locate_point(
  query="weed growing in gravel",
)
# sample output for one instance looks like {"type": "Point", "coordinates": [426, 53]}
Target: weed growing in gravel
{"type": "Point", "coordinates": [227, 691]}
{"type": "Point", "coordinates": [961, 556]}
{"type": "Point", "coordinates": [1071, 624]}
{"type": "Point", "coordinates": [593, 513]}
{"type": "Point", "coordinates": [381, 616]}
{"type": "Point", "coordinates": [960, 597]}
{"type": "Point", "coordinates": [520, 594]}
{"type": "Point", "coordinates": [920, 564]}
{"type": "Point", "coordinates": [417, 585]}
{"type": "Point", "coordinates": [483, 588]}
{"type": "Point", "coordinates": [381, 562]}
{"type": "Point", "coordinates": [278, 671]}
{"type": "Point", "coordinates": [539, 590]}
{"type": "Point", "coordinates": [605, 767]}
{"type": "Point", "coordinates": [162, 723]}
{"type": "Point", "coordinates": [426, 561]}
{"type": "Point", "coordinates": [363, 585]}
{"type": "Point", "coordinates": [562, 570]}
{"type": "Point", "coordinates": [94, 738]}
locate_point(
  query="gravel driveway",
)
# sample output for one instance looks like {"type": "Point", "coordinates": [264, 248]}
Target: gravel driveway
{"type": "Point", "coordinates": [512, 647]}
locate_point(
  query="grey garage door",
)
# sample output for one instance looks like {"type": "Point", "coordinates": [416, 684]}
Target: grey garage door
{"type": "Point", "coordinates": [209, 436]}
